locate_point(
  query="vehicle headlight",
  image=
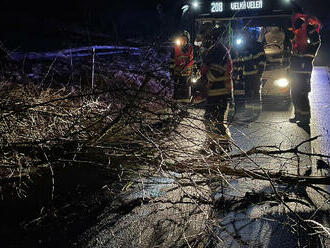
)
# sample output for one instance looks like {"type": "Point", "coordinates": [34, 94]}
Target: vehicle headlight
{"type": "Point", "coordinates": [282, 82]}
{"type": "Point", "coordinates": [239, 41]}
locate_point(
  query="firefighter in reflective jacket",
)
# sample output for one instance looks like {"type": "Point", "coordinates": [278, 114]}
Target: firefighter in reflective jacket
{"type": "Point", "coordinates": [253, 62]}
{"type": "Point", "coordinates": [237, 72]}
{"type": "Point", "coordinates": [305, 44]}
{"type": "Point", "coordinates": [217, 71]}
{"type": "Point", "coordinates": [181, 66]}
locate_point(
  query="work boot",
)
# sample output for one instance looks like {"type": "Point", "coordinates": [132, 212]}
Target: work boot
{"type": "Point", "coordinates": [295, 119]}
{"type": "Point", "coordinates": [304, 125]}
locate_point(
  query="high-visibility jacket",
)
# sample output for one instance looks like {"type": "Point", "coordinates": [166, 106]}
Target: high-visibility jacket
{"type": "Point", "coordinates": [237, 65]}
{"type": "Point", "coordinates": [217, 68]}
{"type": "Point", "coordinates": [253, 60]}
{"type": "Point", "coordinates": [182, 61]}
{"type": "Point", "coordinates": [305, 44]}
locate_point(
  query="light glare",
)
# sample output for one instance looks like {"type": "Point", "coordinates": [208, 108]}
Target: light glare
{"type": "Point", "coordinates": [195, 4]}
{"type": "Point", "coordinates": [282, 83]}
{"type": "Point", "coordinates": [239, 41]}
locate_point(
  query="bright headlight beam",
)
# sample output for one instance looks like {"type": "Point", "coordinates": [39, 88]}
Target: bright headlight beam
{"type": "Point", "coordinates": [239, 41]}
{"type": "Point", "coordinates": [195, 4]}
{"type": "Point", "coordinates": [282, 82]}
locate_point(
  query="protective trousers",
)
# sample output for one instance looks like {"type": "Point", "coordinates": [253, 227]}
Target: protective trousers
{"type": "Point", "coordinates": [216, 113]}
{"type": "Point", "coordinates": [300, 87]}
{"type": "Point", "coordinates": [252, 86]}
{"type": "Point", "coordinates": [182, 91]}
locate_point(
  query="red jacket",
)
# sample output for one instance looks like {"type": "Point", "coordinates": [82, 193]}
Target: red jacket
{"type": "Point", "coordinates": [183, 60]}
{"type": "Point", "coordinates": [301, 35]}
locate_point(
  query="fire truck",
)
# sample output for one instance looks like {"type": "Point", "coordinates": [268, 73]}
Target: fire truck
{"type": "Point", "coordinates": [267, 21]}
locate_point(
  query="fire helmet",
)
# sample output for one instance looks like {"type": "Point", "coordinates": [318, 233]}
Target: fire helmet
{"type": "Point", "coordinates": [186, 34]}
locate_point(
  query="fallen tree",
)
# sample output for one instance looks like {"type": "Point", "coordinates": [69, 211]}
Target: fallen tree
{"type": "Point", "coordinates": [133, 133]}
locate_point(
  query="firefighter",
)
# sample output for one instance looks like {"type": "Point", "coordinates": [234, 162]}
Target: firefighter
{"type": "Point", "coordinates": [253, 62]}
{"type": "Point", "coordinates": [216, 71]}
{"type": "Point", "coordinates": [237, 73]}
{"type": "Point", "coordinates": [305, 44]}
{"type": "Point", "coordinates": [181, 67]}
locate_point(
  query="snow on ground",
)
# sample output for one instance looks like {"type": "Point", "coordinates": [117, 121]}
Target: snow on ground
{"type": "Point", "coordinates": [320, 102]}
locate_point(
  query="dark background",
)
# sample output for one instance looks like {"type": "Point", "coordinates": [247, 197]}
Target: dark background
{"type": "Point", "coordinates": [48, 25]}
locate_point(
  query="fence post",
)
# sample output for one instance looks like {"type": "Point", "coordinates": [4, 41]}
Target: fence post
{"type": "Point", "coordinates": [93, 67]}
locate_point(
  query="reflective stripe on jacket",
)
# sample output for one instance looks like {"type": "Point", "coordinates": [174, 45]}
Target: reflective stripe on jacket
{"type": "Point", "coordinates": [237, 64]}
{"type": "Point", "coordinates": [253, 60]}
{"type": "Point", "coordinates": [218, 69]}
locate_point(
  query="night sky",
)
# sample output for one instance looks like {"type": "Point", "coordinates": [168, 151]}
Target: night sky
{"type": "Point", "coordinates": [32, 24]}
{"type": "Point", "coordinates": [23, 23]}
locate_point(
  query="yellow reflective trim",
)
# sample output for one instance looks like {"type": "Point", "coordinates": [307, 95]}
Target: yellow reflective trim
{"type": "Point", "coordinates": [247, 73]}
{"type": "Point", "coordinates": [213, 78]}
{"type": "Point", "coordinates": [218, 67]}
{"type": "Point", "coordinates": [239, 92]}
{"type": "Point", "coordinates": [258, 55]}
{"type": "Point", "coordinates": [302, 112]}
{"type": "Point", "coordinates": [218, 92]}
{"type": "Point", "coordinates": [304, 55]}
{"type": "Point", "coordinates": [250, 57]}
{"type": "Point", "coordinates": [253, 107]}
{"type": "Point", "coordinates": [182, 100]}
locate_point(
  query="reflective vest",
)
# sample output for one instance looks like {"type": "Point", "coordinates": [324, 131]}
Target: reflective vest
{"type": "Point", "coordinates": [218, 67]}
{"type": "Point", "coordinates": [182, 61]}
